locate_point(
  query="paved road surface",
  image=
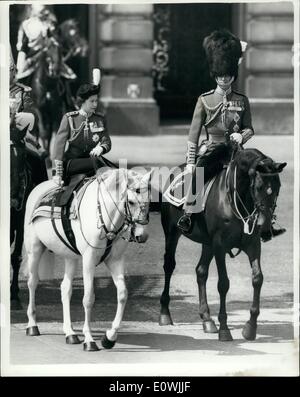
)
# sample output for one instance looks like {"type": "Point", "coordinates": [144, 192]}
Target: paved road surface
{"type": "Point", "coordinates": [142, 342]}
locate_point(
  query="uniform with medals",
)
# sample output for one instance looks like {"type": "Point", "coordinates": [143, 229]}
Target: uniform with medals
{"type": "Point", "coordinates": [223, 114]}
{"type": "Point", "coordinates": [81, 140]}
{"type": "Point", "coordinates": [78, 134]}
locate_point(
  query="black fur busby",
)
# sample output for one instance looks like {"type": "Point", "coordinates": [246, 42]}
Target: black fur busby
{"type": "Point", "coordinates": [223, 51]}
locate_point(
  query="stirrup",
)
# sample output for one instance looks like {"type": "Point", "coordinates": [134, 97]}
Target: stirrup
{"type": "Point", "coordinates": [185, 223]}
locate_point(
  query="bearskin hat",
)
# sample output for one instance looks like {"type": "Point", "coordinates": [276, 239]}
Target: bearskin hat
{"type": "Point", "coordinates": [223, 51]}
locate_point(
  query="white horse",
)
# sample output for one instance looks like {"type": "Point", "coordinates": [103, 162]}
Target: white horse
{"type": "Point", "coordinates": [113, 210]}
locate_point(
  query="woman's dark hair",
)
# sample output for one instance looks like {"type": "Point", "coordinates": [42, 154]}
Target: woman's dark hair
{"type": "Point", "coordinates": [85, 91]}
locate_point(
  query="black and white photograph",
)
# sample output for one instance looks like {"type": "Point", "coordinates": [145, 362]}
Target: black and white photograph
{"type": "Point", "coordinates": [149, 190]}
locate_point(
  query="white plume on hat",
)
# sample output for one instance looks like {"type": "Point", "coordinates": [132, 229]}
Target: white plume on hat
{"type": "Point", "coordinates": [96, 76]}
{"type": "Point", "coordinates": [244, 46]}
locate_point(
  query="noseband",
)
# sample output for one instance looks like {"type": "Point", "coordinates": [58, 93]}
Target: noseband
{"type": "Point", "coordinates": [257, 204]}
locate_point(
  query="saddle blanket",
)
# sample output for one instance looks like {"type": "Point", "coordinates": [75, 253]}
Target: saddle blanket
{"type": "Point", "coordinates": [44, 206]}
{"type": "Point", "coordinates": [176, 192]}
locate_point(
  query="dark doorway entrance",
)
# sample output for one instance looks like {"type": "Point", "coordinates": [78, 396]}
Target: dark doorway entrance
{"type": "Point", "coordinates": [181, 72]}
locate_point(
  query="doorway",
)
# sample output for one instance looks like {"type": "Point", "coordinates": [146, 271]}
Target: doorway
{"type": "Point", "coordinates": [181, 73]}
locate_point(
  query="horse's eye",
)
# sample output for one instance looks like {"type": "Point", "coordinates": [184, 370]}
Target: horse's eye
{"type": "Point", "coordinates": [138, 191]}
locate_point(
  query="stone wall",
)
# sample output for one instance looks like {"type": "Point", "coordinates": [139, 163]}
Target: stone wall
{"type": "Point", "coordinates": [269, 80]}
{"type": "Point", "coordinates": [125, 42]}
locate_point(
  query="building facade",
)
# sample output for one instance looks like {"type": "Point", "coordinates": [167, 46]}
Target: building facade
{"type": "Point", "coordinates": [154, 68]}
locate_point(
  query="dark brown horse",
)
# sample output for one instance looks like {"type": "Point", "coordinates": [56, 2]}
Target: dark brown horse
{"type": "Point", "coordinates": [21, 185]}
{"type": "Point", "coordinates": [239, 207]}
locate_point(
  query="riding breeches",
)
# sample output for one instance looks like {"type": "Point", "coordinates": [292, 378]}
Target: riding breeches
{"type": "Point", "coordinates": [212, 160]}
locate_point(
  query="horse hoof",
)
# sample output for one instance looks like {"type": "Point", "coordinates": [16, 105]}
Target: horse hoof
{"type": "Point", "coordinates": [90, 347]}
{"type": "Point", "coordinates": [209, 327]}
{"type": "Point", "coordinates": [106, 343]}
{"type": "Point", "coordinates": [225, 335]}
{"type": "Point", "coordinates": [33, 331]}
{"type": "Point", "coordinates": [72, 340]}
{"type": "Point", "coordinates": [15, 304]}
{"type": "Point", "coordinates": [165, 319]}
{"type": "Point", "coordinates": [249, 332]}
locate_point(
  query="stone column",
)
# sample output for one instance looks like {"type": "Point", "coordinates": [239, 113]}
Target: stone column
{"type": "Point", "coordinates": [125, 56]}
{"type": "Point", "coordinates": [269, 69]}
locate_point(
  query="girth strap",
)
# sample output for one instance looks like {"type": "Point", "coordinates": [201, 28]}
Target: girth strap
{"type": "Point", "coordinates": [66, 223]}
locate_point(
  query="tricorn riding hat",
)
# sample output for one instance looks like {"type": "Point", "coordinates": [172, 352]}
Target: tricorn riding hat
{"type": "Point", "coordinates": [87, 90]}
{"type": "Point", "coordinates": [223, 51]}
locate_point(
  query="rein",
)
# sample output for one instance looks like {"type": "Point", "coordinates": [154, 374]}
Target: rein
{"type": "Point", "coordinates": [236, 196]}
{"type": "Point", "coordinates": [109, 234]}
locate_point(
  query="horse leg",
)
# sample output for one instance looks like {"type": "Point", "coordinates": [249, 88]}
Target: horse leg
{"type": "Point", "coordinates": [207, 254]}
{"type": "Point", "coordinates": [34, 255]}
{"type": "Point", "coordinates": [117, 271]}
{"type": "Point", "coordinates": [16, 259]}
{"type": "Point", "coordinates": [249, 330]}
{"type": "Point", "coordinates": [172, 237]}
{"type": "Point", "coordinates": [66, 294]}
{"type": "Point", "coordinates": [223, 287]}
{"type": "Point", "coordinates": [88, 301]}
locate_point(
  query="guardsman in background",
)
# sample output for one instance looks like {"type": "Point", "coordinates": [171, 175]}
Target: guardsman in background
{"type": "Point", "coordinates": [32, 40]}
{"type": "Point", "coordinates": [224, 114]}
{"type": "Point", "coordinates": [81, 140]}
{"type": "Point", "coordinates": [24, 144]}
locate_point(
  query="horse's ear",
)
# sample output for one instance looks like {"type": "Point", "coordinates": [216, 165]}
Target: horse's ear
{"type": "Point", "coordinates": [280, 166]}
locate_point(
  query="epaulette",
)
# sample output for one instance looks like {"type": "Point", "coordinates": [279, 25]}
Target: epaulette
{"type": "Point", "coordinates": [73, 113]}
{"type": "Point", "coordinates": [208, 93]}
{"type": "Point", "coordinates": [24, 87]}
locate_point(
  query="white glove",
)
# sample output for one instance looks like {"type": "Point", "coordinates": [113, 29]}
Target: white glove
{"type": "Point", "coordinates": [97, 151]}
{"type": "Point", "coordinates": [23, 120]}
{"type": "Point", "coordinates": [190, 167]}
{"type": "Point", "coordinates": [236, 137]}
{"type": "Point", "coordinates": [57, 179]}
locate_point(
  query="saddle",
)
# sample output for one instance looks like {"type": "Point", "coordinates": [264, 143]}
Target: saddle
{"type": "Point", "coordinates": [55, 206]}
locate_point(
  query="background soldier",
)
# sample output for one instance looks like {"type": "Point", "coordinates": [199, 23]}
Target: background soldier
{"type": "Point", "coordinates": [24, 144]}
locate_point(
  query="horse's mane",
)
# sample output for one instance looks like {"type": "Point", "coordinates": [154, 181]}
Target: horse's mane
{"type": "Point", "coordinates": [251, 158]}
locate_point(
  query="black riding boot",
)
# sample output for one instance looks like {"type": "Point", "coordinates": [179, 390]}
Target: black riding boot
{"type": "Point", "coordinates": [67, 193]}
{"type": "Point", "coordinates": [267, 236]}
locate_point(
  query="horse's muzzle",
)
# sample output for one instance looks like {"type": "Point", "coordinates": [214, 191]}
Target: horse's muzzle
{"type": "Point", "coordinates": [140, 234]}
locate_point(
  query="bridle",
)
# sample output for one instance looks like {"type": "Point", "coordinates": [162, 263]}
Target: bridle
{"type": "Point", "coordinates": [128, 220]}
{"type": "Point", "coordinates": [234, 198]}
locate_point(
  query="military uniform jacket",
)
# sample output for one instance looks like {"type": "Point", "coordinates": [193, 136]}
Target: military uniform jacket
{"type": "Point", "coordinates": [221, 113]}
{"type": "Point", "coordinates": [20, 101]}
{"type": "Point", "coordinates": [82, 133]}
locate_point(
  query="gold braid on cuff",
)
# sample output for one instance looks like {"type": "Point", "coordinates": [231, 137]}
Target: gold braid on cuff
{"type": "Point", "coordinates": [191, 153]}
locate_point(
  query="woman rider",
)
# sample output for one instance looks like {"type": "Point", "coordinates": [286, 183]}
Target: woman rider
{"type": "Point", "coordinates": [224, 113]}
{"type": "Point", "coordinates": [81, 140]}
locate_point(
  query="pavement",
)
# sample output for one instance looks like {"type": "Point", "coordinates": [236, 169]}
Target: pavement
{"type": "Point", "coordinates": [144, 347]}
